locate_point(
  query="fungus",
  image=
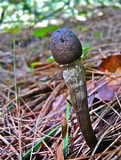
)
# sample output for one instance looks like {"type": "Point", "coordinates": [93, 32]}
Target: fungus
{"type": "Point", "coordinates": [67, 50]}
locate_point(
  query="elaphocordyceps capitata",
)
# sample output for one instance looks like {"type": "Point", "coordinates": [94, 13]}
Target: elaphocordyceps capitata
{"type": "Point", "coordinates": [67, 50]}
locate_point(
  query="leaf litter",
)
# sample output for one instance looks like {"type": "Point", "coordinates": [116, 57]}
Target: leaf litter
{"type": "Point", "coordinates": [32, 100]}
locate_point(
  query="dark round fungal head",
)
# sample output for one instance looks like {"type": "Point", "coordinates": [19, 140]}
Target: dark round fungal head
{"type": "Point", "coordinates": [65, 46]}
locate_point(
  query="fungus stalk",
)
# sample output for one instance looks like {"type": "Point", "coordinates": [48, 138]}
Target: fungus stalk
{"type": "Point", "coordinates": [66, 50]}
{"type": "Point", "coordinates": [74, 77]}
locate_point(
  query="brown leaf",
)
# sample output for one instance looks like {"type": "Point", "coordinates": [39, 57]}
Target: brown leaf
{"type": "Point", "coordinates": [59, 154]}
{"type": "Point", "coordinates": [111, 64]}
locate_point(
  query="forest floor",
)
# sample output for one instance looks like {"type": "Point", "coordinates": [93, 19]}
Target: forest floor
{"type": "Point", "coordinates": [33, 94]}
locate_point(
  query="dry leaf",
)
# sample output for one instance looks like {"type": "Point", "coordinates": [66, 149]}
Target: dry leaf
{"type": "Point", "coordinates": [111, 64]}
{"type": "Point", "coordinates": [107, 91]}
{"type": "Point", "coordinates": [111, 83]}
